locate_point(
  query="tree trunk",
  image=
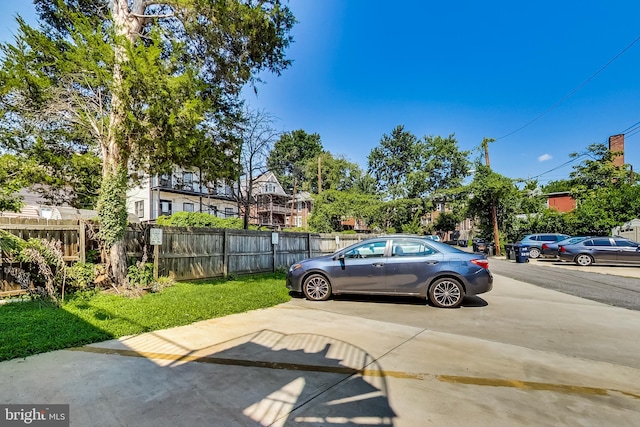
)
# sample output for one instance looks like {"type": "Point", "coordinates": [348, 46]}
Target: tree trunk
{"type": "Point", "coordinates": [127, 23]}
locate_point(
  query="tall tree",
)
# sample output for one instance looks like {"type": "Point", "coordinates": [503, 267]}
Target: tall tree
{"type": "Point", "coordinates": [258, 135]}
{"type": "Point", "coordinates": [152, 84]}
{"type": "Point", "coordinates": [391, 162]}
{"type": "Point", "coordinates": [336, 173]}
{"type": "Point", "coordinates": [407, 167]}
{"type": "Point", "coordinates": [290, 154]}
{"type": "Point", "coordinates": [489, 189]}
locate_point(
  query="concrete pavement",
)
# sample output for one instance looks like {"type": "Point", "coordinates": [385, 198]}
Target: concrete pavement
{"type": "Point", "coordinates": [517, 356]}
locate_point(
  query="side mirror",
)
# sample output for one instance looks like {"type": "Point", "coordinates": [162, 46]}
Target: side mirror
{"type": "Point", "coordinates": [339, 256]}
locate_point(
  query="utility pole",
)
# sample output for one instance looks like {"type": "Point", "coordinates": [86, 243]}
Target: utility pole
{"type": "Point", "coordinates": [494, 215]}
{"type": "Point", "coordinates": [293, 201]}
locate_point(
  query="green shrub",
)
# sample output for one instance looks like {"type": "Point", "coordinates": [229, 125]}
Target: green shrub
{"type": "Point", "coordinates": [200, 219]}
{"type": "Point", "coordinates": [80, 276]}
{"type": "Point", "coordinates": [140, 275]}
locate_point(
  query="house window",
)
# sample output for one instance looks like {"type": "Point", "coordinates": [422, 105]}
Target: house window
{"type": "Point", "coordinates": [166, 207]}
{"type": "Point", "coordinates": [269, 187]}
{"type": "Point", "coordinates": [299, 206]}
{"type": "Point", "coordinates": [165, 180]}
{"type": "Point", "coordinates": [213, 210]}
{"type": "Point", "coordinates": [187, 207]}
{"type": "Point", "coordinates": [187, 180]}
{"type": "Point", "coordinates": [140, 209]}
{"type": "Point", "coordinates": [229, 212]}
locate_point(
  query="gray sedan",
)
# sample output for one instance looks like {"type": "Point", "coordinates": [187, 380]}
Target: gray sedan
{"type": "Point", "coordinates": [394, 265]}
{"type": "Point", "coordinates": [607, 250]}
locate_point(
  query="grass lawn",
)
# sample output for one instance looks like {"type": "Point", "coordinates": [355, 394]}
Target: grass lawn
{"type": "Point", "coordinates": [34, 327]}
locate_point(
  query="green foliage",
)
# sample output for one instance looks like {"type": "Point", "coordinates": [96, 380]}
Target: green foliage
{"type": "Point", "coordinates": [112, 208]}
{"type": "Point", "coordinates": [490, 188]}
{"type": "Point", "coordinates": [337, 173]}
{"type": "Point", "coordinates": [45, 266]}
{"type": "Point", "coordinates": [397, 214]}
{"type": "Point", "coordinates": [200, 219]}
{"type": "Point", "coordinates": [80, 276]}
{"type": "Point", "coordinates": [13, 177]}
{"type": "Point", "coordinates": [33, 327]}
{"type": "Point", "coordinates": [404, 166]}
{"type": "Point", "coordinates": [558, 186]}
{"type": "Point", "coordinates": [290, 155]}
{"type": "Point", "coordinates": [10, 244]}
{"type": "Point", "coordinates": [447, 221]}
{"type": "Point", "coordinates": [147, 94]}
{"type": "Point", "coordinates": [140, 275]}
{"type": "Point", "coordinates": [331, 207]}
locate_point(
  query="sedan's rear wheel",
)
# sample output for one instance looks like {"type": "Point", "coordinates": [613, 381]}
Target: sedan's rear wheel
{"type": "Point", "coordinates": [534, 253]}
{"type": "Point", "coordinates": [316, 288]}
{"type": "Point", "coordinates": [584, 260]}
{"type": "Point", "coordinates": [446, 293]}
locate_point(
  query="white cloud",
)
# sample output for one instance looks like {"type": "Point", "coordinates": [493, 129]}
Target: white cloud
{"type": "Point", "coordinates": [545, 157]}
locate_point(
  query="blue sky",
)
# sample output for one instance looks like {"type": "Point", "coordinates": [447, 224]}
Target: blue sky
{"type": "Point", "coordinates": [469, 68]}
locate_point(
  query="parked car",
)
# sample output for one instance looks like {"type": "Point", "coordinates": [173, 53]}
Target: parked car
{"type": "Point", "coordinates": [394, 265]}
{"type": "Point", "coordinates": [535, 241]}
{"type": "Point", "coordinates": [433, 237]}
{"type": "Point", "coordinates": [608, 250]}
{"type": "Point", "coordinates": [480, 245]}
{"type": "Point", "coordinates": [550, 250]}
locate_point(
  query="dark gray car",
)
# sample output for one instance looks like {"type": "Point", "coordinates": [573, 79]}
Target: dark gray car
{"type": "Point", "coordinates": [606, 250]}
{"type": "Point", "coordinates": [394, 265]}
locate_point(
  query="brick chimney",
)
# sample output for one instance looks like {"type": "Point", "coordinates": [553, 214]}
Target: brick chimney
{"type": "Point", "coordinates": [616, 143]}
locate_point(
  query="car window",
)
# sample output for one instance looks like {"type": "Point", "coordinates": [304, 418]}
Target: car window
{"type": "Point", "coordinates": [411, 248]}
{"type": "Point", "coordinates": [601, 242]}
{"type": "Point", "coordinates": [367, 250]}
{"type": "Point", "coordinates": [627, 243]}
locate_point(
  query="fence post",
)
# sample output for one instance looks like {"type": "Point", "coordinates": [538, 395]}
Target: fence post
{"type": "Point", "coordinates": [82, 238]}
{"type": "Point", "coordinates": [225, 254]}
{"type": "Point", "coordinates": [309, 245]}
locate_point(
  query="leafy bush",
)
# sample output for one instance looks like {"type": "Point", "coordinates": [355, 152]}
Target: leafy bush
{"type": "Point", "coordinates": [81, 275]}
{"type": "Point", "coordinates": [46, 266]}
{"type": "Point", "coordinates": [10, 244]}
{"type": "Point", "coordinates": [200, 219]}
{"type": "Point", "coordinates": [140, 275]}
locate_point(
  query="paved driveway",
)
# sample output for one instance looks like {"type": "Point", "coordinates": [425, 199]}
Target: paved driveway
{"type": "Point", "coordinates": [518, 356]}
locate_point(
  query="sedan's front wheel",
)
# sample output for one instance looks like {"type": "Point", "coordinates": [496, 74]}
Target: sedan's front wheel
{"type": "Point", "coordinates": [446, 293]}
{"type": "Point", "coordinates": [584, 260]}
{"type": "Point", "coordinates": [316, 288]}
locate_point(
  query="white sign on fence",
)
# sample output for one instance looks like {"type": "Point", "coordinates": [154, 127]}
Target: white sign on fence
{"type": "Point", "coordinates": [155, 236]}
{"type": "Point", "coordinates": [274, 238]}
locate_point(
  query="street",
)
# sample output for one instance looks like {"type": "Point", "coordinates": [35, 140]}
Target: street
{"type": "Point", "coordinates": [620, 286]}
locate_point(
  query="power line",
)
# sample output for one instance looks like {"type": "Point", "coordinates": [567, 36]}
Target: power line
{"type": "Point", "coordinates": [572, 92]}
{"type": "Point", "coordinates": [628, 132]}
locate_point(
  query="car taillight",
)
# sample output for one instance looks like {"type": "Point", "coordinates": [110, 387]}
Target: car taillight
{"type": "Point", "coordinates": [544, 246]}
{"type": "Point", "coordinates": [484, 263]}
{"type": "Point", "coordinates": [561, 249]}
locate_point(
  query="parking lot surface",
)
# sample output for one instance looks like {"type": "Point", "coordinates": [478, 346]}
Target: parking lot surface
{"type": "Point", "coordinates": [520, 355]}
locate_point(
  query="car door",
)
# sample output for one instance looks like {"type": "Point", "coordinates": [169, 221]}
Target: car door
{"type": "Point", "coordinates": [627, 251]}
{"type": "Point", "coordinates": [602, 249]}
{"type": "Point", "coordinates": [362, 270]}
{"type": "Point", "coordinates": [411, 265]}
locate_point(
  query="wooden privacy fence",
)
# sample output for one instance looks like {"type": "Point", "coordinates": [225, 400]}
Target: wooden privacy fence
{"type": "Point", "coordinates": [197, 253]}
{"type": "Point", "coordinates": [70, 232]}
{"type": "Point", "coordinates": [188, 253]}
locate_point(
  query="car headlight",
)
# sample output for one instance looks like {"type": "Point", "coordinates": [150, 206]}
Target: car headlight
{"type": "Point", "coordinates": [295, 267]}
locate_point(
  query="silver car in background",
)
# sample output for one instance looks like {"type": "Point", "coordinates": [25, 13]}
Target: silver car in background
{"type": "Point", "coordinates": [394, 265]}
